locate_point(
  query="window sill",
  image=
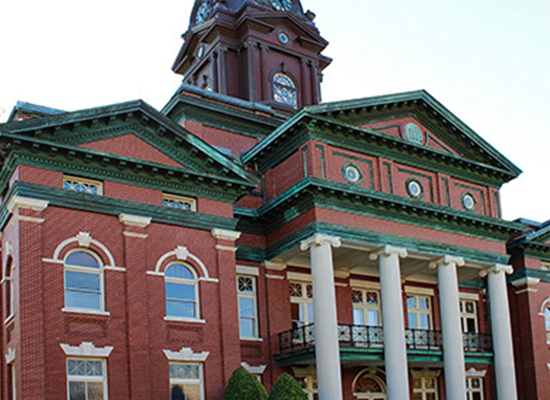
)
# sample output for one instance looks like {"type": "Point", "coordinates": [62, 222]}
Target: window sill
{"type": "Point", "coordinates": [251, 339]}
{"type": "Point", "coordinates": [84, 311]}
{"type": "Point", "coordinates": [181, 319]}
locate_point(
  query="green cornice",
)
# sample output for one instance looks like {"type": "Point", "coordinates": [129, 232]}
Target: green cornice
{"type": "Point", "coordinates": [113, 206]}
{"type": "Point", "coordinates": [544, 276]}
{"type": "Point", "coordinates": [304, 126]}
{"type": "Point", "coordinates": [377, 238]}
{"type": "Point", "coordinates": [316, 192]}
{"type": "Point", "coordinates": [136, 118]}
{"type": "Point", "coordinates": [222, 112]}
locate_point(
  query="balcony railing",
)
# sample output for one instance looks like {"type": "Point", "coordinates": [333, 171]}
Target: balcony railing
{"type": "Point", "coordinates": [372, 337]}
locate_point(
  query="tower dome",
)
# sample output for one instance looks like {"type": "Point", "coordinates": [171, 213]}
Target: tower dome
{"type": "Point", "coordinates": [266, 51]}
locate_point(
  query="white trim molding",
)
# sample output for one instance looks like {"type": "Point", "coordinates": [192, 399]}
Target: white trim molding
{"type": "Point", "coordinates": [183, 254]}
{"type": "Point", "coordinates": [87, 349]}
{"type": "Point", "coordinates": [17, 202]}
{"type": "Point", "coordinates": [84, 239]}
{"type": "Point", "coordinates": [10, 355]}
{"type": "Point", "coordinates": [186, 354]}
{"type": "Point", "coordinates": [425, 373]}
{"type": "Point", "coordinates": [356, 283]}
{"type": "Point", "coordinates": [257, 370]}
{"type": "Point", "coordinates": [134, 220]}
{"type": "Point", "coordinates": [528, 284]}
{"type": "Point", "coordinates": [246, 270]}
{"type": "Point", "coordinates": [275, 265]}
{"type": "Point", "coordinates": [474, 373]}
{"type": "Point", "coordinates": [224, 234]}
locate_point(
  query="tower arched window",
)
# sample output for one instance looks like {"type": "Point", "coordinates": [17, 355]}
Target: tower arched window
{"type": "Point", "coordinates": [181, 291]}
{"type": "Point", "coordinates": [284, 90]}
{"type": "Point", "coordinates": [83, 281]}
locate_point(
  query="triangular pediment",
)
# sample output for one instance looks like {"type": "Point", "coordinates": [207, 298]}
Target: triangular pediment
{"type": "Point", "coordinates": [431, 126]}
{"type": "Point", "coordinates": [126, 134]}
{"type": "Point", "coordinates": [133, 147]}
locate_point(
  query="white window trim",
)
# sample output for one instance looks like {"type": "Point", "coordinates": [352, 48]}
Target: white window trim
{"type": "Point", "coordinates": [298, 277]}
{"type": "Point", "coordinates": [184, 381]}
{"type": "Point", "coordinates": [181, 253]}
{"type": "Point", "coordinates": [182, 281]}
{"type": "Point", "coordinates": [468, 296]}
{"type": "Point", "coordinates": [186, 354]}
{"type": "Point", "coordinates": [364, 307]}
{"type": "Point", "coordinates": [87, 349]}
{"type": "Point", "coordinates": [254, 297]}
{"type": "Point", "coordinates": [85, 311]}
{"type": "Point", "coordinates": [246, 270]}
{"type": "Point", "coordinates": [474, 373]}
{"type": "Point", "coordinates": [103, 379]}
{"type": "Point", "coordinates": [254, 370]}
{"type": "Point", "coordinates": [419, 291]}
{"type": "Point", "coordinates": [356, 283]}
{"type": "Point", "coordinates": [304, 300]}
{"type": "Point", "coordinates": [419, 311]}
{"type": "Point", "coordinates": [84, 240]}
{"type": "Point", "coordinates": [90, 271]}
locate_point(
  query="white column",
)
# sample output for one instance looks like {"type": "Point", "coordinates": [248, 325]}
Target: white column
{"type": "Point", "coordinates": [327, 350]}
{"type": "Point", "coordinates": [453, 342]}
{"type": "Point", "coordinates": [501, 329]}
{"type": "Point", "coordinates": [395, 352]}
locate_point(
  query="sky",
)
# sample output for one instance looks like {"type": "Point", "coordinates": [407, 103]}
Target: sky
{"type": "Point", "coordinates": [488, 62]}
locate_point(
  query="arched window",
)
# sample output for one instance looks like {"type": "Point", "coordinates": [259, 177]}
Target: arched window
{"type": "Point", "coordinates": [9, 288]}
{"type": "Point", "coordinates": [547, 322]}
{"type": "Point", "coordinates": [83, 281]}
{"type": "Point", "coordinates": [369, 386]}
{"type": "Point", "coordinates": [180, 284]}
{"type": "Point", "coordinates": [284, 90]}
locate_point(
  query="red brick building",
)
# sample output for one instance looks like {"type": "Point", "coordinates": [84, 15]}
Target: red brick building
{"type": "Point", "coordinates": [147, 254]}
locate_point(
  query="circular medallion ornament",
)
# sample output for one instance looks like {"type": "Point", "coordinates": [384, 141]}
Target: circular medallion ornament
{"type": "Point", "coordinates": [469, 201]}
{"type": "Point", "coordinates": [414, 134]}
{"type": "Point", "coordinates": [281, 5]}
{"type": "Point", "coordinates": [352, 173]}
{"type": "Point", "coordinates": [200, 51]}
{"type": "Point", "coordinates": [415, 189]}
{"type": "Point", "coordinates": [283, 38]}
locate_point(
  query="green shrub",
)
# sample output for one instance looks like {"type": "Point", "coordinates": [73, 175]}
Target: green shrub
{"type": "Point", "coordinates": [286, 388]}
{"type": "Point", "coordinates": [243, 386]}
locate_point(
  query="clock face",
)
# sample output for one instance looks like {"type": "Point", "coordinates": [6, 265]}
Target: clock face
{"type": "Point", "coordinates": [202, 13]}
{"type": "Point", "coordinates": [282, 5]}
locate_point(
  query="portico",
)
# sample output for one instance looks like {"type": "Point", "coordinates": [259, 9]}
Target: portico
{"type": "Point", "coordinates": [395, 268]}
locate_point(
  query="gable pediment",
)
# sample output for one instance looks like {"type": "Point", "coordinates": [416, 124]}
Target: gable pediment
{"type": "Point", "coordinates": [127, 134]}
{"type": "Point", "coordinates": [438, 129]}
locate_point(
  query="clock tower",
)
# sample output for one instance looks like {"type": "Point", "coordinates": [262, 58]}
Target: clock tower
{"type": "Point", "coordinates": [266, 51]}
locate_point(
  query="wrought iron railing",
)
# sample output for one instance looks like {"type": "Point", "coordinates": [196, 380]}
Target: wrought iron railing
{"type": "Point", "coordinates": [477, 343]}
{"type": "Point", "coordinates": [418, 339]}
{"type": "Point", "coordinates": [373, 337]}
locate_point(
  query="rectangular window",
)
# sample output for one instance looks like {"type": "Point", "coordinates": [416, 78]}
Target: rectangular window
{"type": "Point", "coordinates": [474, 388]}
{"type": "Point", "coordinates": [425, 388]}
{"type": "Point", "coordinates": [301, 304]}
{"type": "Point", "coordinates": [86, 379]}
{"type": "Point", "coordinates": [419, 312]}
{"type": "Point", "coordinates": [186, 381]}
{"type": "Point", "coordinates": [248, 321]}
{"type": "Point", "coordinates": [179, 202]}
{"type": "Point", "coordinates": [82, 185]}
{"type": "Point", "coordinates": [468, 316]}
{"type": "Point", "coordinates": [366, 307]}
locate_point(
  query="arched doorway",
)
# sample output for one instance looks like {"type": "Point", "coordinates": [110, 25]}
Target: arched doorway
{"type": "Point", "coordinates": [369, 386]}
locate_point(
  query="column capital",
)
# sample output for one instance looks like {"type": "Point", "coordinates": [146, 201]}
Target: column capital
{"type": "Point", "coordinates": [387, 251]}
{"type": "Point", "coordinates": [320, 240]}
{"type": "Point", "coordinates": [496, 269]}
{"type": "Point", "coordinates": [447, 260]}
